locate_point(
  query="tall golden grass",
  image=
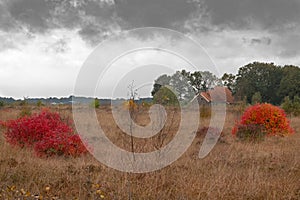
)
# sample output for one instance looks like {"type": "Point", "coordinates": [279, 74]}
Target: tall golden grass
{"type": "Point", "coordinates": [233, 170]}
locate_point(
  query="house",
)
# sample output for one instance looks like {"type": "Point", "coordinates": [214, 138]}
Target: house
{"type": "Point", "coordinates": [218, 94]}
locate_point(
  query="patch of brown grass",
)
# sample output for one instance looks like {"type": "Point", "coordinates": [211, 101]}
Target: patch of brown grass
{"type": "Point", "coordinates": [233, 170]}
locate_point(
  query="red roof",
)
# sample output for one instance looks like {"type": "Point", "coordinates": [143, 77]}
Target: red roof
{"type": "Point", "coordinates": [218, 94]}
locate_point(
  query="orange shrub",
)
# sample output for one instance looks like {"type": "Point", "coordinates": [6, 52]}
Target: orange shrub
{"type": "Point", "coordinates": [272, 118]}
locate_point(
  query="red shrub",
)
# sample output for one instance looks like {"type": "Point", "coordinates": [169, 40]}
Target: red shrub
{"type": "Point", "coordinates": [46, 132]}
{"type": "Point", "coordinates": [60, 144]}
{"type": "Point", "coordinates": [271, 118]}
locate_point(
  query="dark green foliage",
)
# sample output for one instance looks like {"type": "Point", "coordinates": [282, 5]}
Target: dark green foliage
{"type": "Point", "coordinates": [26, 111]}
{"type": "Point", "coordinates": [1, 104]}
{"type": "Point", "coordinates": [273, 82]}
{"type": "Point", "coordinates": [229, 81]}
{"type": "Point", "coordinates": [256, 98]}
{"type": "Point", "coordinates": [290, 82]}
{"type": "Point", "coordinates": [291, 107]}
{"type": "Point", "coordinates": [296, 105]}
{"type": "Point", "coordinates": [287, 105]}
{"type": "Point", "coordinates": [165, 96]}
{"type": "Point", "coordinates": [161, 81]}
{"type": "Point", "coordinates": [95, 103]}
{"type": "Point", "coordinates": [39, 103]}
{"type": "Point", "coordinates": [259, 77]}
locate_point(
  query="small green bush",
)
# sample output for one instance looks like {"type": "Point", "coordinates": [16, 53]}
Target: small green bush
{"type": "Point", "coordinates": [39, 103]}
{"type": "Point", "coordinates": [296, 106]}
{"type": "Point", "coordinates": [287, 105]}
{"type": "Point", "coordinates": [165, 96]}
{"type": "Point", "coordinates": [291, 107]}
{"type": "Point", "coordinates": [1, 104]}
{"type": "Point", "coordinates": [256, 98]}
{"type": "Point", "coordinates": [25, 112]}
{"type": "Point", "coordinates": [250, 132]}
{"type": "Point", "coordinates": [95, 103]}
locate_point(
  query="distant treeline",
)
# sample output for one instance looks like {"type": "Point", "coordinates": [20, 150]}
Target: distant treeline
{"type": "Point", "coordinates": [254, 82]}
{"type": "Point", "coordinates": [266, 82]}
{"type": "Point", "coordinates": [68, 100]}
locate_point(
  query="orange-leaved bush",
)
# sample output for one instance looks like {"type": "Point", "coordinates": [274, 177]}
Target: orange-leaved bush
{"type": "Point", "coordinates": [270, 118]}
{"type": "Point", "coordinates": [46, 132]}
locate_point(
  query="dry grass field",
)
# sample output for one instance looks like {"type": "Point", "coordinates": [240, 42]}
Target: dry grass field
{"type": "Point", "coordinates": [269, 169]}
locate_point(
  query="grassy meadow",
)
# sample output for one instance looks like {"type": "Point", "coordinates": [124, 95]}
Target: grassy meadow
{"type": "Point", "coordinates": [269, 169]}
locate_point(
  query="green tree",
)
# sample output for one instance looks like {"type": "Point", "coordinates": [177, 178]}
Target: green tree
{"type": "Point", "coordinates": [186, 84]}
{"type": "Point", "coordinates": [181, 86]}
{"type": "Point", "coordinates": [165, 96]}
{"type": "Point", "coordinates": [259, 77]}
{"type": "Point", "coordinates": [290, 82]}
{"type": "Point", "coordinates": [39, 103]}
{"type": "Point", "coordinates": [229, 81]}
{"type": "Point", "coordinates": [287, 105]}
{"type": "Point", "coordinates": [95, 103]}
{"type": "Point", "coordinates": [161, 81]}
{"type": "Point", "coordinates": [209, 80]}
{"type": "Point", "coordinates": [256, 98]}
{"type": "Point", "coordinates": [196, 82]}
{"type": "Point", "coordinates": [296, 105]}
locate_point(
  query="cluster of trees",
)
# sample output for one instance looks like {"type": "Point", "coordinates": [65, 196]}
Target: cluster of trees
{"type": "Point", "coordinates": [182, 86]}
{"type": "Point", "coordinates": [265, 82]}
{"type": "Point", "coordinates": [255, 82]}
{"type": "Point", "coordinates": [291, 107]}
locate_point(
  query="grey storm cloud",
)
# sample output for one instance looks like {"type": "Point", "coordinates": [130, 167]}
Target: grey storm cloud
{"type": "Point", "coordinates": [97, 19]}
{"type": "Point", "coordinates": [267, 14]}
{"type": "Point", "coordinates": [33, 13]}
{"type": "Point", "coordinates": [41, 15]}
{"type": "Point", "coordinates": [257, 41]}
{"type": "Point", "coordinates": [92, 18]}
{"type": "Point", "coordinates": [155, 13]}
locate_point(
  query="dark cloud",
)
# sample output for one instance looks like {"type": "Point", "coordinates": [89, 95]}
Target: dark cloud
{"type": "Point", "coordinates": [97, 19]}
{"type": "Point", "coordinates": [40, 15]}
{"type": "Point", "coordinates": [263, 40]}
{"type": "Point", "coordinates": [93, 18]}
{"type": "Point", "coordinates": [33, 13]}
{"type": "Point", "coordinates": [93, 33]}
{"type": "Point", "coordinates": [155, 13]}
{"type": "Point", "coordinates": [267, 14]}
{"type": "Point", "coordinates": [6, 21]}
{"type": "Point", "coordinates": [266, 41]}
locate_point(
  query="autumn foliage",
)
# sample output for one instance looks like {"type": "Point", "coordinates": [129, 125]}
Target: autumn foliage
{"type": "Point", "coordinates": [46, 133]}
{"type": "Point", "coordinates": [266, 118]}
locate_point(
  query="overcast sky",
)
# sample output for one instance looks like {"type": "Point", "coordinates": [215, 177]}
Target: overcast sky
{"type": "Point", "coordinates": [44, 43]}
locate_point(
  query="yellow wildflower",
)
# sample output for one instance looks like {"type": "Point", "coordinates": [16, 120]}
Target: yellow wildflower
{"type": "Point", "coordinates": [47, 188]}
